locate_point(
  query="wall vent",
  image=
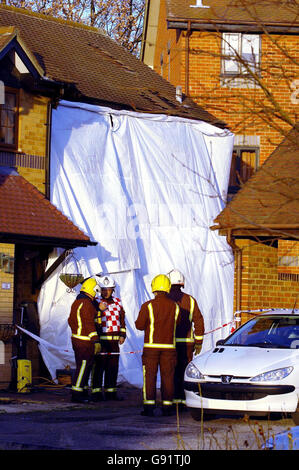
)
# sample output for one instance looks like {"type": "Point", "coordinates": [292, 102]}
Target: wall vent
{"type": "Point", "coordinates": [288, 277]}
{"type": "Point", "coordinates": [199, 5]}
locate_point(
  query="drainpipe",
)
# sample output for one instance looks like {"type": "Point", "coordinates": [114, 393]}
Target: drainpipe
{"type": "Point", "coordinates": [238, 268]}
{"type": "Point", "coordinates": [57, 94]}
{"type": "Point", "coordinates": [238, 255]}
{"type": "Point", "coordinates": [187, 50]}
{"type": "Point", "coordinates": [48, 149]}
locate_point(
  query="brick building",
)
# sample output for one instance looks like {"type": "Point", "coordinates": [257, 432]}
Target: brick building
{"type": "Point", "coordinates": [30, 227]}
{"type": "Point", "coordinates": [239, 60]}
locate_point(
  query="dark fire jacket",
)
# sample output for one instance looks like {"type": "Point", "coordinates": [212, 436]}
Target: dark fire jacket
{"type": "Point", "coordinates": [158, 319]}
{"type": "Point", "coordinates": [81, 318]}
{"type": "Point", "coordinates": [190, 316]}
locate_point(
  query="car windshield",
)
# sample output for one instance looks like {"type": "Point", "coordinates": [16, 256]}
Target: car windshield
{"type": "Point", "coordinates": [274, 331]}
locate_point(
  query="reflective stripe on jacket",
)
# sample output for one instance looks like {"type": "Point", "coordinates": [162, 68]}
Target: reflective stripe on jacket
{"type": "Point", "coordinates": [158, 319]}
{"type": "Point", "coordinates": [81, 319]}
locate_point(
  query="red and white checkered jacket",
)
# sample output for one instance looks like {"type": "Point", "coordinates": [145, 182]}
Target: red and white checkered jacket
{"type": "Point", "coordinates": [112, 319]}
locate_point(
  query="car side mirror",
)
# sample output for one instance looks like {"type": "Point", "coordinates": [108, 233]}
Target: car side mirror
{"type": "Point", "coordinates": [220, 342]}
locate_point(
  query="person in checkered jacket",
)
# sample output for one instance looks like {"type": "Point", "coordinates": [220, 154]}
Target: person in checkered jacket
{"type": "Point", "coordinates": [111, 327]}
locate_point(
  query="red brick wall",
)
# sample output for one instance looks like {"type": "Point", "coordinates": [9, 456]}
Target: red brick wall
{"type": "Point", "coordinates": [230, 104]}
{"type": "Point", "coordinates": [33, 135]}
{"type": "Point", "coordinates": [32, 141]}
{"type": "Point", "coordinates": [176, 53]}
{"type": "Point", "coordinates": [261, 286]}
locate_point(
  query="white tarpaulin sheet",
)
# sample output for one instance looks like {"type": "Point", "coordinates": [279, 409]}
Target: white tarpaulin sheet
{"type": "Point", "coordinates": [146, 188]}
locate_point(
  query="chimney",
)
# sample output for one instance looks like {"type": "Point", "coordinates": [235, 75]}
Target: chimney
{"type": "Point", "coordinates": [179, 94]}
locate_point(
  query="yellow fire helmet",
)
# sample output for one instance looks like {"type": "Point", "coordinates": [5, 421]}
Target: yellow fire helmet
{"type": "Point", "coordinates": [90, 287]}
{"type": "Point", "coordinates": [161, 283]}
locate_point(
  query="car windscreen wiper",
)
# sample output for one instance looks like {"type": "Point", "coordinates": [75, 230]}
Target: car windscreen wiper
{"type": "Point", "coordinates": [266, 345]}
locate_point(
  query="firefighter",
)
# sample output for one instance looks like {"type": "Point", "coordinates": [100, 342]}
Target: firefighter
{"type": "Point", "coordinates": [157, 318]}
{"type": "Point", "coordinates": [111, 327]}
{"type": "Point", "coordinates": [189, 333]}
{"type": "Point", "coordinates": [85, 340]}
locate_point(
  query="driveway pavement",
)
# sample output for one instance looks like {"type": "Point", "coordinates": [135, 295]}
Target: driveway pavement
{"type": "Point", "coordinates": [45, 419]}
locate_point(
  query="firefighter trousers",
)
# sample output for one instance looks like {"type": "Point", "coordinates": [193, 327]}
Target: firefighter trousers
{"type": "Point", "coordinates": [152, 360]}
{"type": "Point", "coordinates": [105, 369]}
{"type": "Point", "coordinates": [84, 357]}
{"type": "Point", "coordinates": [184, 356]}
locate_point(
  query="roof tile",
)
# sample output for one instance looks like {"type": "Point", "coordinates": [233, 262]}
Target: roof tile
{"type": "Point", "coordinates": [271, 196]}
{"type": "Point", "coordinates": [235, 11]}
{"type": "Point", "coordinates": [26, 212]}
{"type": "Point", "coordinates": [98, 67]}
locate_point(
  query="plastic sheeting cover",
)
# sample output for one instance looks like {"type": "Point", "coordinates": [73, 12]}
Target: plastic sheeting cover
{"type": "Point", "coordinates": [146, 188]}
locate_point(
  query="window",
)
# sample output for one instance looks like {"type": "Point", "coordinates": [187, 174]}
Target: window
{"type": "Point", "coordinates": [240, 51]}
{"type": "Point", "coordinates": [9, 120]}
{"type": "Point", "coordinates": [288, 260]}
{"type": "Point", "coordinates": [244, 163]}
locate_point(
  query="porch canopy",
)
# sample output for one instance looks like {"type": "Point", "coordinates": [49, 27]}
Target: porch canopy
{"type": "Point", "coordinates": [27, 217]}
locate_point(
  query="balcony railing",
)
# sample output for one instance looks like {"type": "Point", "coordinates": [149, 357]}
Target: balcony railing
{"type": "Point", "coordinates": [14, 159]}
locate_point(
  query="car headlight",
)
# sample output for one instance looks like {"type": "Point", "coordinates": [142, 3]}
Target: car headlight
{"type": "Point", "coordinates": [192, 372]}
{"type": "Point", "coordinates": [272, 375]}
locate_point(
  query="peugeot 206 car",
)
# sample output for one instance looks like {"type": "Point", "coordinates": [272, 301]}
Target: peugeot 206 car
{"type": "Point", "coordinates": [253, 371]}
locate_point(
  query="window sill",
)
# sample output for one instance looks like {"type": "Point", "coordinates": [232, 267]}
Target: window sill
{"type": "Point", "coordinates": [233, 81]}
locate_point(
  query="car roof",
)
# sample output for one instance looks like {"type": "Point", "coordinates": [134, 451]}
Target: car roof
{"type": "Point", "coordinates": [268, 311]}
{"type": "Point", "coordinates": [280, 311]}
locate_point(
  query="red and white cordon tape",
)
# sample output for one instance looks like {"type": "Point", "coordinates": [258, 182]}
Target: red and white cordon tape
{"type": "Point", "coordinates": [223, 326]}
{"type": "Point", "coordinates": [207, 333]}
{"type": "Point", "coordinates": [48, 345]}
{"type": "Point", "coordinates": [235, 322]}
{"type": "Point", "coordinates": [115, 353]}
{"type": "Point", "coordinates": [237, 319]}
{"type": "Point", "coordinates": [254, 312]}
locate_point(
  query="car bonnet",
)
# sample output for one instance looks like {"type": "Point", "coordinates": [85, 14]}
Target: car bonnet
{"type": "Point", "coordinates": [244, 361]}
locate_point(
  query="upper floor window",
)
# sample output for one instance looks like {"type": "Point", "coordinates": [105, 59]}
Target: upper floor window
{"type": "Point", "coordinates": [244, 164]}
{"type": "Point", "coordinates": [240, 52]}
{"type": "Point", "coordinates": [9, 120]}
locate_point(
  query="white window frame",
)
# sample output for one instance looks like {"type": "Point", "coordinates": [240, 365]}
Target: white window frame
{"type": "Point", "coordinates": [233, 47]}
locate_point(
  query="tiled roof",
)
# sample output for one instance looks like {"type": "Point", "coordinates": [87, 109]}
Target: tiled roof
{"type": "Point", "coordinates": [6, 35]}
{"type": "Point", "coordinates": [25, 214]}
{"type": "Point", "coordinates": [270, 198]}
{"type": "Point", "coordinates": [267, 12]}
{"type": "Point", "coordinates": [98, 67]}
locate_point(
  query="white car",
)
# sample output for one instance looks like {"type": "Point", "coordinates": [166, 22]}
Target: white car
{"type": "Point", "coordinates": [253, 371]}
